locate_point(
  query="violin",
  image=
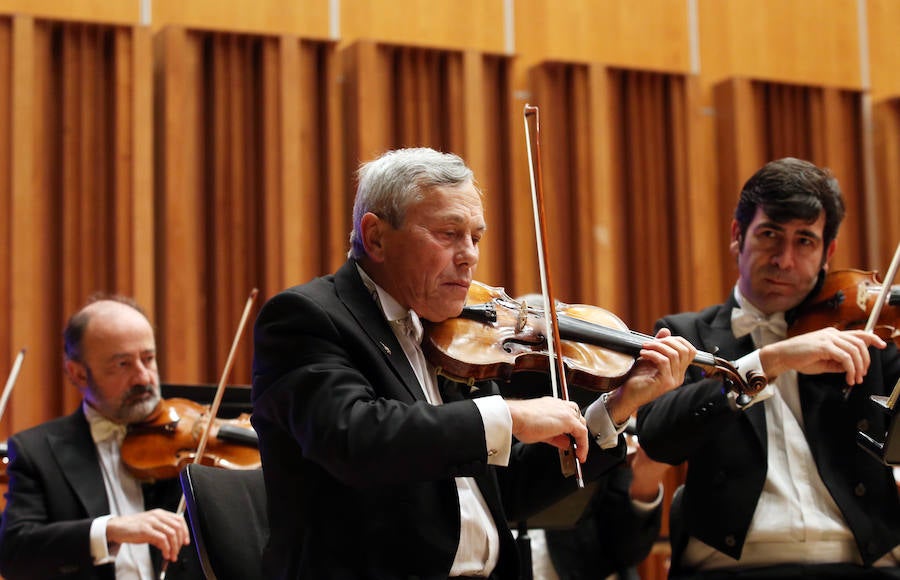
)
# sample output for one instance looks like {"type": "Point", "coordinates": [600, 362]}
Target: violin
{"type": "Point", "coordinates": [168, 440]}
{"type": "Point", "coordinates": [495, 336]}
{"type": "Point", "coordinates": [845, 300]}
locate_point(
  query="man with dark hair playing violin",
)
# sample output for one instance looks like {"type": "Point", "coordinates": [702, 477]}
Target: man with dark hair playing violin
{"type": "Point", "coordinates": [376, 467]}
{"type": "Point", "coordinates": [779, 487]}
{"type": "Point", "coordinates": [72, 509]}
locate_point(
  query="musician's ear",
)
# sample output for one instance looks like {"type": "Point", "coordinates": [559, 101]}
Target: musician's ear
{"type": "Point", "coordinates": [77, 373]}
{"type": "Point", "coordinates": [737, 240]}
{"type": "Point", "coordinates": [828, 253]}
{"type": "Point", "coordinates": [372, 232]}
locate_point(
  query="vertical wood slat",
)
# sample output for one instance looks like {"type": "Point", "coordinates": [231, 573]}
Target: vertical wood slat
{"type": "Point", "coordinates": [8, 350]}
{"type": "Point", "coordinates": [321, 160]}
{"type": "Point", "coordinates": [72, 167]}
{"type": "Point", "coordinates": [222, 100]}
{"type": "Point", "coordinates": [180, 302]}
{"type": "Point", "coordinates": [468, 130]}
{"type": "Point", "coordinates": [522, 238]}
{"type": "Point", "coordinates": [281, 245]}
{"type": "Point", "coordinates": [886, 121]}
{"type": "Point", "coordinates": [835, 134]}
{"type": "Point", "coordinates": [133, 167]}
{"type": "Point", "coordinates": [31, 248]}
{"type": "Point", "coordinates": [582, 212]}
{"type": "Point", "coordinates": [686, 211]}
{"type": "Point", "coordinates": [741, 149]}
{"type": "Point", "coordinates": [608, 266]}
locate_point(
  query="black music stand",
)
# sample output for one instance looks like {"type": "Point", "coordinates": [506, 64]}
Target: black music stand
{"type": "Point", "coordinates": [235, 399]}
{"type": "Point", "coordinates": [887, 451]}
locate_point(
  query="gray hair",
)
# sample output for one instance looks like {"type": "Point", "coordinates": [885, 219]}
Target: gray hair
{"type": "Point", "coordinates": [397, 179]}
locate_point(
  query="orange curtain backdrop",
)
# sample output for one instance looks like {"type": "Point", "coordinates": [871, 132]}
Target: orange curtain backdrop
{"type": "Point", "coordinates": [759, 121]}
{"type": "Point", "coordinates": [76, 190]}
{"type": "Point", "coordinates": [454, 101]}
{"type": "Point", "coordinates": [249, 191]}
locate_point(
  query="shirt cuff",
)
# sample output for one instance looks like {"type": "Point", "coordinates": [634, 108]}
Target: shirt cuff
{"type": "Point", "coordinates": [497, 428]}
{"type": "Point", "coordinates": [744, 365]}
{"type": "Point", "coordinates": [600, 424]}
{"type": "Point", "coordinates": [649, 506]}
{"type": "Point", "coordinates": [100, 551]}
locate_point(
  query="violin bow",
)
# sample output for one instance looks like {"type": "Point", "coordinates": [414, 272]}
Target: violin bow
{"type": "Point", "coordinates": [217, 400]}
{"type": "Point", "coordinates": [11, 381]}
{"type": "Point", "coordinates": [568, 460]}
{"type": "Point", "coordinates": [876, 312]}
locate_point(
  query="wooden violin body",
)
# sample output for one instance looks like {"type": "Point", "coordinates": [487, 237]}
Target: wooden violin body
{"type": "Point", "coordinates": [845, 301]}
{"type": "Point", "coordinates": [167, 441]}
{"type": "Point", "coordinates": [496, 336]}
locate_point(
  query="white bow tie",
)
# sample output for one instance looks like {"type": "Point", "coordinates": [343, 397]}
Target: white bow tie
{"type": "Point", "coordinates": [103, 429]}
{"type": "Point", "coordinates": [743, 323]}
{"type": "Point", "coordinates": [411, 326]}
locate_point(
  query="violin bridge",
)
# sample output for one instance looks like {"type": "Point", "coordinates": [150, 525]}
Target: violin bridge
{"type": "Point", "coordinates": [522, 317]}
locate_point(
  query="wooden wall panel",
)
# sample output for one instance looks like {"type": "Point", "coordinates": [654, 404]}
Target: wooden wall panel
{"type": "Point", "coordinates": [790, 41]}
{"type": "Point", "coordinates": [650, 34]}
{"type": "Point", "coordinates": [306, 18]}
{"type": "Point", "coordinates": [453, 24]}
{"type": "Point", "coordinates": [448, 100]}
{"type": "Point", "coordinates": [77, 223]}
{"type": "Point", "coordinates": [249, 184]}
{"type": "Point", "coordinates": [883, 30]}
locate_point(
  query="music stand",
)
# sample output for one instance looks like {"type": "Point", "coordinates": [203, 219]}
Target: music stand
{"type": "Point", "coordinates": [887, 451]}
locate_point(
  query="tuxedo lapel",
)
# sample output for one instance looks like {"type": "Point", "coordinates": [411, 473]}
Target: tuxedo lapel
{"type": "Point", "coordinates": [360, 303]}
{"type": "Point", "coordinates": [76, 456]}
{"type": "Point", "coordinates": [717, 337]}
{"type": "Point", "coordinates": [720, 340]}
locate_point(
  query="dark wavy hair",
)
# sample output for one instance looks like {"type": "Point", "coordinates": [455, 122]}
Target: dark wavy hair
{"type": "Point", "coordinates": [788, 189]}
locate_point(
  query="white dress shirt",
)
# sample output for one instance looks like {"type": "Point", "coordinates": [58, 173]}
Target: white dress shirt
{"type": "Point", "coordinates": [132, 561]}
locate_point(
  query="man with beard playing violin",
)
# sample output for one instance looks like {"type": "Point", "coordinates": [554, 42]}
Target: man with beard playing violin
{"type": "Point", "coordinates": [72, 509]}
{"type": "Point", "coordinates": [375, 466]}
{"type": "Point", "coordinates": [779, 488]}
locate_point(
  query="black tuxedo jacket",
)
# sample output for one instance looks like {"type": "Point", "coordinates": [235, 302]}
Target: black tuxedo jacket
{"type": "Point", "coordinates": [726, 449]}
{"type": "Point", "coordinates": [55, 491]}
{"type": "Point", "coordinates": [359, 468]}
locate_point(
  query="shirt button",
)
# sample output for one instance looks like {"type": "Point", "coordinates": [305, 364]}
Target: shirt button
{"type": "Point", "coordinates": [859, 490]}
{"type": "Point", "coordinates": [730, 541]}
